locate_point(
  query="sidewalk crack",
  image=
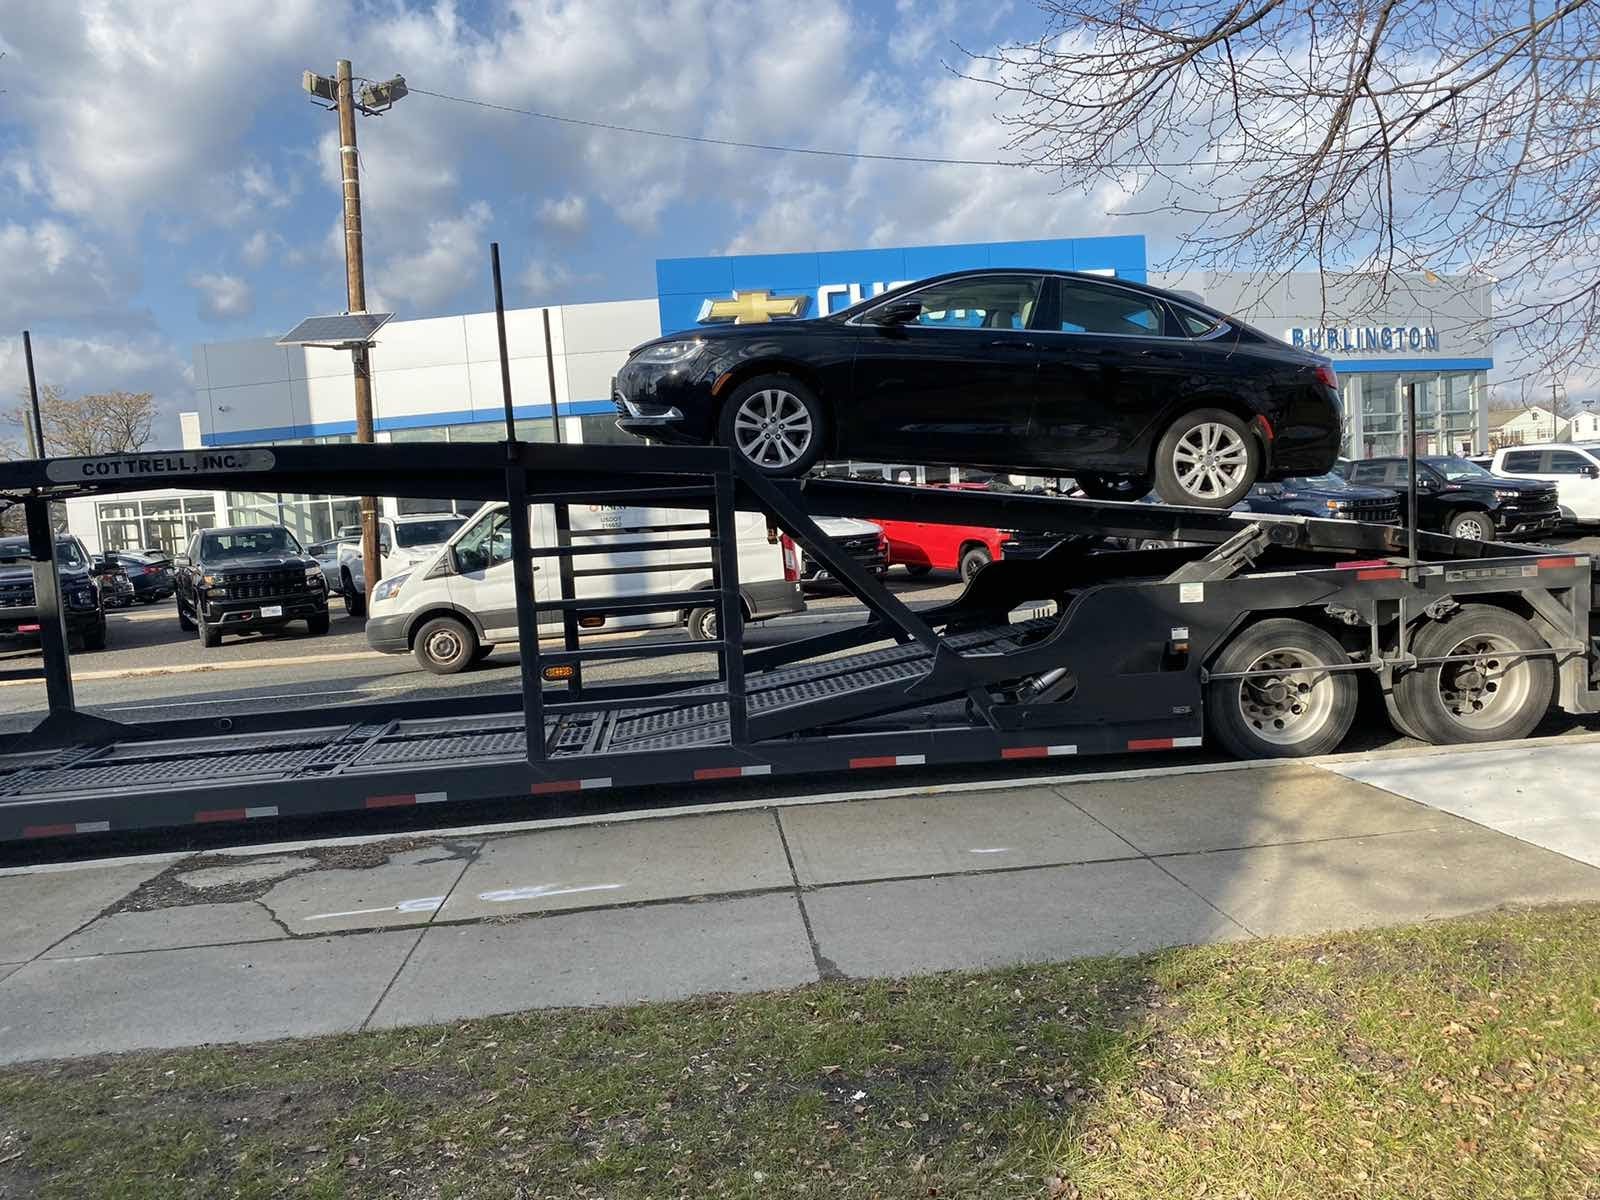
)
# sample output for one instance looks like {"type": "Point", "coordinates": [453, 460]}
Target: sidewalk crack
{"type": "Point", "coordinates": [827, 969]}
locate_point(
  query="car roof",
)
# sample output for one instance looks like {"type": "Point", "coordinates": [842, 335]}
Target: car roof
{"type": "Point", "coordinates": [1589, 447]}
{"type": "Point", "coordinates": [1187, 299]}
{"type": "Point", "coordinates": [245, 529]}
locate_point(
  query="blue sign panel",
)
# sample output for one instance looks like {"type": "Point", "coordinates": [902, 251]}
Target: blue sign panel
{"type": "Point", "coordinates": [751, 288]}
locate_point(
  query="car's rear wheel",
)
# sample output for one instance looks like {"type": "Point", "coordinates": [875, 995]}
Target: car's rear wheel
{"type": "Point", "coordinates": [1207, 458]}
{"type": "Point", "coordinates": [775, 423]}
{"type": "Point", "coordinates": [1113, 487]}
{"type": "Point", "coordinates": [445, 646]}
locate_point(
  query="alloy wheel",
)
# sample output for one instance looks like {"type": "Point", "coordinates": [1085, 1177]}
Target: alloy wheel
{"type": "Point", "coordinates": [1290, 705]}
{"type": "Point", "coordinates": [1471, 529]}
{"type": "Point", "coordinates": [772, 428]}
{"type": "Point", "coordinates": [1211, 460]}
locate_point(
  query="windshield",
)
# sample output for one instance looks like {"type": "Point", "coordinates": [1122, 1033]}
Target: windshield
{"type": "Point", "coordinates": [242, 543]}
{"type": "Point", "coordinates": [1330, 480]}
{"type": "Point", "coordinates": [15, 549]}
{"type": "Point", "coordinates": [427, 533]}
{"type": "Point", "coordinates": [1453, 468]}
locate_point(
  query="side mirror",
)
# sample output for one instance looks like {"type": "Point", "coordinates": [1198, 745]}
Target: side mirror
{"type": "Point", "coordinates": [1591, 472]}
{"type": "Point", "coordinates": [180, 560]}
{"type": "Point", "coordinates": [901, 312]}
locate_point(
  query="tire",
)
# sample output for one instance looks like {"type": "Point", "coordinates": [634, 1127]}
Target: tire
{"type": "Point", "coordinates": [210, 635]}
{"type": "Point", "coordinates": [702, 624]}
{"type": "Point", "coordinates": [1257, 718]}
{"type": "Point", "coordinates": [1208, 458]}
{"type": "Point", "coordinates": [1471, 525]}
{"type": "Point", "coordinates": [355, 602]}
{"type": "Point", "coordinates": [318, 625]}
{"type": "Point", "coordinates": [185, 621]}
{"type": "Point", "coordinates": [918, 570]}
{"type": "Point", "coordinates": [95, 639]}
{"type": "Point", "coordinates": [482, 653]}
{"type": "Point", "coordinates": [445, 646]}
{"type": "Point", "coordinates": [790, 447]}
{"type": "Point", "coordinates": [973, 560]}
{"type": "Point", "coordinates": [1113, 487]}
{"type": "Point", "coordinates": [1486, 700]}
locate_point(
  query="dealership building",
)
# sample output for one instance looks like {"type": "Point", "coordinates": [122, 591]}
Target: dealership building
{"type": "Point", "coordinates": [438, 379]}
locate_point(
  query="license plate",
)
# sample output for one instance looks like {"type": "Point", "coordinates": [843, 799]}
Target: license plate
{"type": "Point", "coordinates": [272, 610]}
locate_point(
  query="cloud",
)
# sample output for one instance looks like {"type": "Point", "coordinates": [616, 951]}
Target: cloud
{"type": "Point", "coordinates": [568, 215]}
{"type": "Point", "coordinates": [100, 362]}
{"type": "Point", "coordinates": [452, 256]}
{"type": "Point", "coordinates": [49, 270]}
{"type": "Point", "coordinates": [223, 297]}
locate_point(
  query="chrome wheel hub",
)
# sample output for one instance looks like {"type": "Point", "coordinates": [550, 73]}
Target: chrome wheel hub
{"type": "Point", "coordinates": [1211, 460]}
{"type": "Point", "coordinates": [1481, 690]}
{"type": "Point", "coordinates": [444, 646]}
{"type": "Point", "coordinates": [1289, 705]}
{"type": "Point", "coordinates": [772, 428]}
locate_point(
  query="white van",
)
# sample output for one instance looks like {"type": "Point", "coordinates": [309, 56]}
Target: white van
{"type": "Point", "coordinates": [451, 609]}
{"type": "Point", "coordinates": [1574, 467]}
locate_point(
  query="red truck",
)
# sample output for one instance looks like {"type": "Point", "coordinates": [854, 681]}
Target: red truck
{"type": "Point", "coordinates": [921, 547]}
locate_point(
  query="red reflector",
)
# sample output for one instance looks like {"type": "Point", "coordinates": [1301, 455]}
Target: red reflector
{"type": "Point", "coordinates": [882, 760]}
{"type": "Point", "coordinates": [390, 801]}
{"type": "Point", "coordinates": [40, 831]}
{"type": "Point", "coordinates": [718, 772]}
{"type": "Point", "coordinates": [1327, 376]}
{"type": "Point", "coordinates": [1382, 573]}
{"type": "Point", "coordinates": [1025, 752]}
{"type": "Point", "coordinates": [27, 629]}
{"type": "Point", "coordinates": [1150, 744]}
{"type": "Point", "coordinates": [1568, 561]}
{"type": "Point", "coordinates": [556, 785]}
{"type": "Point", "coordinates": [1265, 426]}
{"type": "Point", "coordinates": [219, 814]}
{"type": "Point", "coordinates": [1365, 562]}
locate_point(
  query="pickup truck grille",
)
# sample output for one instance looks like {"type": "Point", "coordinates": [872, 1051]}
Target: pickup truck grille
{"type": "Point", "coordinates": [265, 585]}
{"type": "Point", "coordinates": [16, 595]}
{"type": "Point", "coordinates": [1380, 512]}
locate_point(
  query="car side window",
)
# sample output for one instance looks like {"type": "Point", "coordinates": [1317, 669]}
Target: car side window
{"type": "Point", "coordinates": [1521, 460]}
{"type": "Point", "coordinates": [487, 543]}
{"type": "Point", "coordinates": [1088, 308]}
{"type": "Point", "coordinates": [985, 302]}
{"type": "Point", "coordinates": [1566, 462]}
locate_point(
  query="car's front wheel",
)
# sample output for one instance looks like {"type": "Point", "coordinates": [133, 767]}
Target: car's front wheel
{"type": "Point", "coordinates": [1207, 458]}
{"type": "Point", "coordinates": [445, 646]}
{"type": "Point", "coordinates": [775, 423]}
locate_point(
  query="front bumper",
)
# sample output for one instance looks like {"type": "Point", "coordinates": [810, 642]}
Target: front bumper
{"type": "Point", "coordinates": [24, 622]}
{"type": "Point", "coordinates": [240, 615]}
{"type": "Point", "coordinates": [1514, 523]}
{"type": "Point", "coordinates": [874, 561]}
{"type": "Point", "coordinates": [666, 403]}
{"type": "Point", "coordinates": [387, 635]}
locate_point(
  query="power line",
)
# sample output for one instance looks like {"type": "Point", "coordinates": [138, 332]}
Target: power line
{"type": "Point", "coordinates": [713, 141]}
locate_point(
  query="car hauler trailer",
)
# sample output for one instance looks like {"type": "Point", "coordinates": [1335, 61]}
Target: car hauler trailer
{"type": "Point", "coordinates": [1255, 632]}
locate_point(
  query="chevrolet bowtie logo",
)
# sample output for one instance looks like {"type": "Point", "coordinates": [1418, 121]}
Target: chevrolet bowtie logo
{"type": "Point", "coordinates": [751, 308]}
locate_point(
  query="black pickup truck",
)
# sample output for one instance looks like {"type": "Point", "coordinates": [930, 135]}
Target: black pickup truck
{"type": "Point", "coordinates": [81, 601]}
{"type": "Point", "coordinates": [248, 578]}
{"type": "Point", "coordinates": [1460, 498]}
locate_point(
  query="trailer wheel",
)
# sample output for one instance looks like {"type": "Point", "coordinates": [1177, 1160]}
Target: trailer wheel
{"type": "Point", "coordinates": [775, 423]}
{"type": "Point", "coordinates": [1208, 458]}
{"type": "Point", "coordinates": [1295, 711]}
{"type": "Point", "coordinates": [1493, 695]}
{"type": "Point", "coordinates": [445, 646]}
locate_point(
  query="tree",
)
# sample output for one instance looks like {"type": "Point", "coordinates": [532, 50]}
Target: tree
{"type": "Point", "coordinates": [97, 423]}
{"type": "Point", "coordinates": [1398, 138]}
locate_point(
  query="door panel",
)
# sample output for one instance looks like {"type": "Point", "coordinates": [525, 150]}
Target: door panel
{"type": "Point", "coordinates": [953, 385]}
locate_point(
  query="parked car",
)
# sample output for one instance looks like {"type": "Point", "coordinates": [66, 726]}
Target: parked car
{"type": "Point", "coordinates": [149, 573]}
{"type": "Point", "coordinates": [82, 601]}
{"type": "Point", "coordinates": [248, 578]}
{"type": "Point", "coordinates": [1460, 498]}
{"type": "Point", "coordinates": [402, 542]}
{"type": "Point", "coordinates": [1328, 496]}
{"type": "Point", "coordinates": [1121, 385]}
{"type": "Point", "coordinates": [924, 546]}
{"type": "Point", "coordinates": [863, 541]}
{"type": "Point", "coordinates": [451, 609]}
{"type": "Point", "coordinates": [116, 588]}
{"type": "Point", "coordinates": [1574, 468]}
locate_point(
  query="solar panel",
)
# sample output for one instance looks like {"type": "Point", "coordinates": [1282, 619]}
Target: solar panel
{"type": "Point", "coordinates": [340, 329]}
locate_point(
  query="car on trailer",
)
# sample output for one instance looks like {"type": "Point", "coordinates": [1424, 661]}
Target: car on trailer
{"type": "Point", "coordinates": [1123, 386]}
{"type": "Point", "coordinates": [248, 579]}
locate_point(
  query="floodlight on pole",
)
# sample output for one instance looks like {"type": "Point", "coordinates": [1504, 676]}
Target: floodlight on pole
{"type": "Point", "coordinates": [379, 98]}
{"type": "Point", "coordinates": [320, 87]}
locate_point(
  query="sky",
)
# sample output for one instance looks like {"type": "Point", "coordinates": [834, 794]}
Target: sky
{"type": "Point", "coordinates": [164, 180]}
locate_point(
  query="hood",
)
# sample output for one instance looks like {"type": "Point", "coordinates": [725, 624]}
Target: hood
{"type": "Point", "coordinates": [257, 562]}
{"type": "Point", "coordinates": [1348, 491]}
{"type": "Point", "coordinates": [846, 527]}
{"type": "Point", "coordinates": [11, 572]}
{"type": "Point", "coordinates": [1527, 487]}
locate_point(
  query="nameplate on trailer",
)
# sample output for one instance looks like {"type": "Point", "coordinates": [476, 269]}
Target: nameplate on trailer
{"type": "Point", "coordinates": [158, 465]}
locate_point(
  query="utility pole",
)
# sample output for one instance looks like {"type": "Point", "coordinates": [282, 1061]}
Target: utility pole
{"type": "Point", "coordinates": [376, 98]}
{"type": "Point", "coordinates": [1555, 414]}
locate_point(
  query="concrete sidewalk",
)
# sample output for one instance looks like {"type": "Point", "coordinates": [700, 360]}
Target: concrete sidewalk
{"type": "Point", "coordinates": [238, 948]}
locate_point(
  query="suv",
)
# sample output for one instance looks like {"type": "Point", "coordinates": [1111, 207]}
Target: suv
{"type": "Point", "coordinates": [1462, 499]}
{"type": "Point", "coordinates": [1330, 496]}
{"type": "Point", "coordinates": [81, 599]}
{"type": "Point", "coordinates": [250, 577]}
{"type": "Point", "coordinates": [402, 543]}
{"type": "Point", "coordinates": [1574, 468]}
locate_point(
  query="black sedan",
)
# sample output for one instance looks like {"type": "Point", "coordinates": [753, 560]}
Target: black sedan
{"type": "Point", "coordinates": [1121, 385]}
{"type": "Point", "coordinates": [150, 574]}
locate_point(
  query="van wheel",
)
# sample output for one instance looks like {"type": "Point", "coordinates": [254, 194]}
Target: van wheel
{"type": "Point", "coordinates": [1296, 709]}
{"type": "Point", "coordinates": [1471, 526]}
{"type": "Point", "coordinates": [355, 602]}
{"type": "Point", "coordinates": [702, 624]}
{"type": "Point", "coordinates": [1208, 458]}
{"type": "Point", "coordinates": [775, 423]}
{"type": "Point", "coordinates": [973, 560]}
{"type": "Point", "coordinates": [445, 646]}
{"type": "Point", "coordinates": [1493, 695]}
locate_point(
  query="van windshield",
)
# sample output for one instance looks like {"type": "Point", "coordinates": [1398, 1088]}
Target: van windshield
{"type": "Point", "coordinates": [427, 533]}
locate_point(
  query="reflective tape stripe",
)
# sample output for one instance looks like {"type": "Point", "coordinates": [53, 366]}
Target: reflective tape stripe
{"type": "Point", "coordinates": [569, 785]}
{"type": "Point", "coordinates": [235, 814]}
{"type": "Point", "coordinates": [401, 800]}
{"type": "Point", "coordinates": [1568, 561]}
{"type": "Point", "coordinates": [65, 828]}
{"type": "Point", "coordinates": [1384, 573]}
{"type": "Point", "coordinates": [1037, 751]}
{"type": "Point", "coordinates": [732, 772]}
{"type": "Point", "coordinates": [1173, 743]}
{"type": "Point", "coordinates": [889, 760]}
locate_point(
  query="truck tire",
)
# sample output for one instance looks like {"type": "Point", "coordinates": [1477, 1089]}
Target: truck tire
{"type": "Point", "coordinates": [973, 560]}
{"type": "Point", "coordinates": [702, 624]}
{"type": "Point", "coordinates": [1471, 525]}
{"type": "Point", "coordinates": [317, 625]}
{"type": "Point", "coordinates": [1207, 458]}
{"type": "Point", "coordinates": [95, 639]}
{"type": "Point", "coordinates": [918, 570]}
{"type": "Point", "coordinates": [185, 621]}
{"type": "Point", "coordinates": [210, 635]}
{"type": "Point", "coordinates": [355, 602]}
{"type": "Point", "coordinates": [1293, 715]}
{"type": "Point", "coordinates": [1494, 697]}
{"type": "Point", "coordinates": [775, 423]}
{"type": "Point", "coordinates": [445, 646]}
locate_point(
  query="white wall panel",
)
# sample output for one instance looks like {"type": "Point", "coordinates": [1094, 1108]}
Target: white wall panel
{"type": "Point", "coordinates": [589, 375]}
{"type": "Point", "coordinates": [524, 334]}
{"type": "Point", "coordinates": [253, 406]}
{"type": "Point", "coordinates": [530, 384]}
{"type": "Point", "coordinates": [255, 360]}
{"type": "Point", "coordinates": [420, 390]}
{"type": "Point", "coordinates": [614, 325]}
{"type": "Point", "coordinates": [434, 343]}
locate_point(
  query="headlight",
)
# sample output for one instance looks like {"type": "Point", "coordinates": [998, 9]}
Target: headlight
{"type": "Point", "coordinates": [388, 587]}
{"type": "Point", "coordinates": [313, 574]}
{"type": "Point", "coordinates": [81, 599]}
{"type": "Point", "coordinates": [670, 352]}
{"type": "Point", "coordinates": [1500, 495]}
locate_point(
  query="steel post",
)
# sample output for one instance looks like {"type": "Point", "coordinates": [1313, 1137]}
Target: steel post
{"type": "Point", "coordinates": [1411, 473]}
{"type": "Point", "coordinates": [527, 613]}
{"type": "Point", "coordinates": [48, 601]}
{"type": "Point", "coordinates": [730, 609]}
{"type": "Point", "coordinates": [569, 617]}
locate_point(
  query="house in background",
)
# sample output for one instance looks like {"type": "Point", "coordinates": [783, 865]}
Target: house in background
{"type": "Point", "coordinates": [1585, 425]}
{"type": "Point", "coordinates": [1528, 426]}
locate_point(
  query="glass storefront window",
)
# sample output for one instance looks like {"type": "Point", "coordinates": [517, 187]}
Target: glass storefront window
{"type": "Point", "coordinates": [1447, 411]}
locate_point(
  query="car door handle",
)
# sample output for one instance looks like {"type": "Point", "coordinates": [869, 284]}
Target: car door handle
{"type": "Point", "coordinates": [1008, 344]}
{"type": "Point", "coordinates": [1161, 354]}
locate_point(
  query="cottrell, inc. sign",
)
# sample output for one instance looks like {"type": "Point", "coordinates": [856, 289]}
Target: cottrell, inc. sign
{"type": "Point", "coordinates": [162, 465]}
